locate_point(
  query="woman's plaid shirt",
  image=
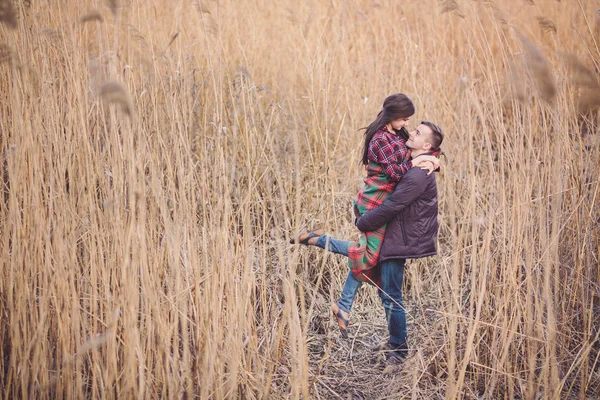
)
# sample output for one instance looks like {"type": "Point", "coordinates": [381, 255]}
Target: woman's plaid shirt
{"type": "Point", "coordinates": [392, 157]}
{"type": "Point", "coordinates": [389, 150]}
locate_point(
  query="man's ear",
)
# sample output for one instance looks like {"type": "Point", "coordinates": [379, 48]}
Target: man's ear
{"type": "Point", "coordinates": [426, 146]}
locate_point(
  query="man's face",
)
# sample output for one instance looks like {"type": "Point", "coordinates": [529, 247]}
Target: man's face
{"type": "Point", "coordinates": [420, 138]}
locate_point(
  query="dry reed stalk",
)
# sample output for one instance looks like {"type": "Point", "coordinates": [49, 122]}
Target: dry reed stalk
{"type": "Point", "coordinates": [90, 16]}
{"type": "Point", "coordinates": [540, 69]}
{"type": "Point", "coordinates": [114, 92]}
{"type": "Point", "coordinates": [7, 14]}
{"type": "Point", "coordinates": [547, 25]}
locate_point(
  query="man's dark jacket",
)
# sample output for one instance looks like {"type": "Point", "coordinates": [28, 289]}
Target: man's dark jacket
{"type": "Point", "coordinates": [411, 213]}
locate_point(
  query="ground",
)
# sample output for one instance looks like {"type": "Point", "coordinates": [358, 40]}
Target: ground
{"type": "Point", "coordinates": [350, 369]}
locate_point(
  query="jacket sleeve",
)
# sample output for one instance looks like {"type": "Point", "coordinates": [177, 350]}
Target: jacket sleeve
{"type": "Point", "coordinates": [411, 186]}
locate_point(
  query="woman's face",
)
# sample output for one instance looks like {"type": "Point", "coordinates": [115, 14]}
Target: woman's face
{"type": "Point", "coordinates": [399, 123]}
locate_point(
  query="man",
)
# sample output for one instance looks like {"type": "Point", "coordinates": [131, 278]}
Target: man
{"type": "Point", "coordinates": [411, 214]}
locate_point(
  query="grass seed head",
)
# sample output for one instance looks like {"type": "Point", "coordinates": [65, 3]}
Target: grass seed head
{"type": "Point", "coordinates": [579, 74]}
{"type": "Point", "coordinates": [540, 69]}
{"type": "Point", "coordinates": [113, 5]}
{"type": "Point", "coordinates": [451, 6]}
{"type": "Point", "coordinates": [115, 93]}
{"type": "Point", "coordinates": [547, 25]}
{"type": "Point", "coordinates": [5, 53]}
{"type": "Point", "coordinates": [588, 101]}
{"type": "Point", "coordinates": [201, 7]}
{"type": "Point", "coordinates": [498, 14]}
{"type": "Point", "coordinates": [7, 14]}
{"type": "Point", "coordinates": [137, 36]}
{"type": "Point", "coordinates": [173, 37]}
{"type": "Point", "coordinates": [92, 15]}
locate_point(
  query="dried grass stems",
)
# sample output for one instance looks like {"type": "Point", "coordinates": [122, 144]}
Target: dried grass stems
{"type": "Point", "coordinates": [52, 35]}
{"type": "Point", "coordinates": [151, 259]}
{"type": "Point", "coordinates": [517, 81]}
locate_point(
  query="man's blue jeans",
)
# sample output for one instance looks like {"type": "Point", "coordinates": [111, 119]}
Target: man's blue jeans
{"type": "Point", "coordinates": [352, 284]}
{"type": "Point", "coordinates": [392, 274]}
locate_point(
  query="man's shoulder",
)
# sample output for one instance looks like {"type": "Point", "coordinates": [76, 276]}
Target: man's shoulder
{"type": "Point", "coordinates": [419, 174]}
{"type": "Point", "coordinates": [419, 177]}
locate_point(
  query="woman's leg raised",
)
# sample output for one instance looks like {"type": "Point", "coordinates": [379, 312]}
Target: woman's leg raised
{"type": "Point", "coordinates": [333, 245]}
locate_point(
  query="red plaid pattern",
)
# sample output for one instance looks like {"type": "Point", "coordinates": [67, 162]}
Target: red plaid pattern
{"type": "Point", "coordinates": [389, 160]}
{"type": "Point", "coordinates": [389, 150]}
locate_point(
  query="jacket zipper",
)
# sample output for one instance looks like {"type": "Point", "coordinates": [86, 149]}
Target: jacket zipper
{"type": "Point", "coordinates": [404, 236]}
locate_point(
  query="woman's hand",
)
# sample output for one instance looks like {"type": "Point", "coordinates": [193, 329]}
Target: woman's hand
{"type": "Point", "coordinates": [425, 162]}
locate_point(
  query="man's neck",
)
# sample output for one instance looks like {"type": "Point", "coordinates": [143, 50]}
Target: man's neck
{"type": "Point", "coordinates": [417, 153]}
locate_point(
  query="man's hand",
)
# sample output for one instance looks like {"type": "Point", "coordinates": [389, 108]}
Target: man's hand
{"type": "Point", "coordinates": [425, 162]}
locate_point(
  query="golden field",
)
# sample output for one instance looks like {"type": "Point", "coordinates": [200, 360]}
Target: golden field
{"type": "Point", "coordinates": [156, 157]}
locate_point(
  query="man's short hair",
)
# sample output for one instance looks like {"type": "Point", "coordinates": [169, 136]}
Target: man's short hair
{"type": "Point", "coordinates": [437, 136]}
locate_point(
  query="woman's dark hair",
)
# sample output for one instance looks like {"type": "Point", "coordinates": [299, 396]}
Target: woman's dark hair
{"type": "Point", "coordinates": [395, 106]}
{"type": "Point", "coordinates": [437, 137]}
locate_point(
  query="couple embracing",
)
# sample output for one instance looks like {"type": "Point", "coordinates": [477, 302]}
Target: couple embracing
{"type": "Point", "coordinates": [396, 213]}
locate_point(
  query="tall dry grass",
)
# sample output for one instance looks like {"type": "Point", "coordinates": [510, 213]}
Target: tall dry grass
{"type": "Point", "coordinates": [156, 157]}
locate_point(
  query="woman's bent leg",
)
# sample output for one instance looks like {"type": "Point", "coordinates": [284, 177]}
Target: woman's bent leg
{"type": "Point", "coordinates": [350, 289]}
{"type": "Point", "coordinates": [352, 284]}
